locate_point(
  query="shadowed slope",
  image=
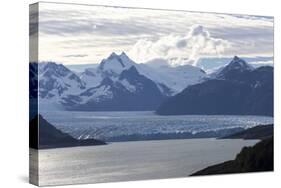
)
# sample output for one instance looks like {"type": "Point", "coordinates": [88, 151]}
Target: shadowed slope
{"type": "Point", "coordinates": [50, 137]}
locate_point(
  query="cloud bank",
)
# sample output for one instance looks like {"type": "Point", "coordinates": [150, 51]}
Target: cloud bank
{"type": "Point", "coordinates": [180, 50]}
{"type": "Point", "coordinates": [181, 37]}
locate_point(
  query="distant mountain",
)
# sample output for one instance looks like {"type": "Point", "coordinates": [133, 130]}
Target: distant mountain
{"type": "Point", "coordinates": [56, 80]}
{"type": "Point", "coordinates": [111, 68]}
{"type": "Point", "coordinates": [237, 89]}
{"type": "Point", "coordinates": [176, 78]}
{"type": "Point", "coordinates": [212, 63]}
{"type": "Point", "coordinates": [44, 135]}
{"type": "Point", "coordinates": [33, 90]}
{"type": "Point", "coordinates": [115, 64]}
{"type": "Point", "coordinates": [170, 80]}
{"type": "Point", "coordinates": [130, 91]}
{"type": "Point", "coordinates": [117, 83]}
{"type": "Point", "coordinates": [236, 68]}
{"type": "Point", "coordinates": [49, 82]}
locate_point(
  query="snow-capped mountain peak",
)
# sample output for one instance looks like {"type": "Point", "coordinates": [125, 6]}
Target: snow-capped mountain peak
{"type": "Point", "coordinates": [117, 80]}
{"type": "Point", "coordinates": [174, 78]}
{"type": "Point", "coordinates": [55, 80]}
{"type": "Point", "coordinates": [51, 67]}
{"type": "Point", "coordinates": [123, 56]}
{"type": "Point", "coordinates": [115, 64]}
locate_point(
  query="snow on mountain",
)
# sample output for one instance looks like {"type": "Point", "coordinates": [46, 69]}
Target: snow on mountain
{"type": "Point", "coordinates": [115, 76]}
{"type": "Point", "coordinates": [130, 91]}
{"type": "Point", "coordinates": [175, 78]}
{"type": "Point", "coordinates": [110, 67]}
{"type": "Point", "coordinates": [128, 86]}
{"type": "Point", "coordinates": [55, 81]}
{"type": "Point", "coordinates": [91, 77]}
{"type": "Point", "coordinates": [169, 80]}
{"type": "Point", "coordinates": [115, 64]}
{"type": "Point", "coordinates": [99, 93]}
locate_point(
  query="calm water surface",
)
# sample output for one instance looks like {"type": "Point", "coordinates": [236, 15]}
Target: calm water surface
{"type": "Point", "coordinates": [125, 161]}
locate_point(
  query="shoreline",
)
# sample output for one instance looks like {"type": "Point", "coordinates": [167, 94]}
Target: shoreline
{"type": "Point", "coordinates": [257, 158]}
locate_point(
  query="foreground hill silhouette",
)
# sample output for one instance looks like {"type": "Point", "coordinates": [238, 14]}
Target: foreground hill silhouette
{"type": "Point", "coordinates": [50, 137]}
{"type": "Point", "coordinates": [257, 158]}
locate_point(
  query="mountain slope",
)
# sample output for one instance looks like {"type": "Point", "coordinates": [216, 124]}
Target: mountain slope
{"type": "Point", "coordinates": [113, 66]}
{"type": "Point", "coordinates": [237, 90]}
{"type": "Point", "coordinates": [170, 80]}
{"type": "Point", "coordinates": [251, 159]}
{"type": "Point", "coordinates": [176, 78]}
{"type": "Point", "coordinates": [117, 82]}
{"type": "Point", "coordinates": [130, 91]}
{"type": "Point", "coordinates": [44, 135]}
{"type": "Point", "coordinates": [55, 80]}
{"type": "Point", "coordinates": [235, 68]}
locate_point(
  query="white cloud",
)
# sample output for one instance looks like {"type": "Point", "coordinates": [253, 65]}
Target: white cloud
{"type": "Point", "coordinates": [181, 49]}
{"type": "Point", "coordinates": [96, 31]}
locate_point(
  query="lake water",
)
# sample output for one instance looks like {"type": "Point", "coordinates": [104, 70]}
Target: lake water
{"type": "Point", "coordinates": [105, 125]}
{"type": "Point", "coordinates": [126, 161]}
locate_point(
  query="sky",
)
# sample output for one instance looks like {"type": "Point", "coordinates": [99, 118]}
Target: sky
{"type": "Point", "coordinates": [81, 34]}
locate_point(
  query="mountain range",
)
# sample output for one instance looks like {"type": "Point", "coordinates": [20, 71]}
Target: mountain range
{"type": "Point", "coordinates": [236, 89]}
{"type": "Point", "coordinates": [117, 83]}
{"type": "Point", "coordinates": [120, 84]}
